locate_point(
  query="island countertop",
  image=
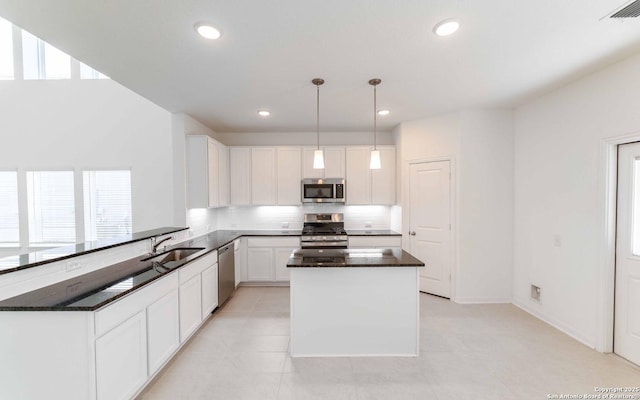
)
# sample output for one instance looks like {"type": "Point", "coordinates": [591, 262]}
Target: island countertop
{"type": "Point", "coordinates": [345, 258]}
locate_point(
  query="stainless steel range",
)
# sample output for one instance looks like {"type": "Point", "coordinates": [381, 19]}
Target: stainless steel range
{"type": "Point", "coordinates": [324, 231]}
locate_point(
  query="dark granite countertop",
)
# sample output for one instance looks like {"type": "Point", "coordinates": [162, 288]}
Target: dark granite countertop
{"type": "Point", "coordinates": [94, 290]}
{"type": "Point", "coordinates": [345, 258]}
{"type": "Point", "coordinates": [36, 258]}
{"type": "Point", "coordinates": [372, 232]}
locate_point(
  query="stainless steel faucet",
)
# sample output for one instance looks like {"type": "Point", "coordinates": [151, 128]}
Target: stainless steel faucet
{"type": "Point", "coordinates": [154, 244]}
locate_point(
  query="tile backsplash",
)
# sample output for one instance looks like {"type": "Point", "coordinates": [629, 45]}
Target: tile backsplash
{"type": "Point", "coordinates": [285, 217]}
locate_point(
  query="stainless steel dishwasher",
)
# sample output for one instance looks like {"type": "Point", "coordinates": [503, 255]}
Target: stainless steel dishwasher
{"type": "Point", "coordinates": [226, 273]}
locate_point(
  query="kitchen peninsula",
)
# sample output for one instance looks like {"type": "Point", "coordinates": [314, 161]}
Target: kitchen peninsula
{"type": "Point", "coordinates": [354, 302]}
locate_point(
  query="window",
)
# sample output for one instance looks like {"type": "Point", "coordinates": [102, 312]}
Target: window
{"type": "Point", "coordinates": [9, 217]}
{"type": "Point", "coordinates": [43, 61]}
{"type": "Point", "coordinates": [86, 72]}
{"type": "Point", "coordinates": [107, 204]}
{"type": "Point", "coordinates": [6, 49]}
{"type": "Point", "coordinates": [51, 208]}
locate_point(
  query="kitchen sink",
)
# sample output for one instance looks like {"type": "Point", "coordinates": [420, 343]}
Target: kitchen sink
{"type": "Point", "coordinates": [174, 255]}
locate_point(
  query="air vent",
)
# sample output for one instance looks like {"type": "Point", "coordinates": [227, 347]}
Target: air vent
{"type": "Point", "coordinates": [632, 10]}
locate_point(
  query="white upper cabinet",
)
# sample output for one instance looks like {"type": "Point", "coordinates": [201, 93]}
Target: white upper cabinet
{"type": "Point", "coordinates": [358, 179]}
{"type": "Point", "coordinates": [288, 175]}
{"type": "Point", "coordinates": [263, 176]}
{"type": "Point", "coordinates": [272, 175]}
{"type": "Point", "coordinates": [223, 180]}
{"type": "Point", "coordinates": [240, 176]}
{"type": "Point", "coordinates": [383, 180]}
{"type": "Point", "coordinates": [367, 186]}
{"type": "Point", "coordinates": [334, 163]}
{"type": "Point", "coordinates": [206, 181]}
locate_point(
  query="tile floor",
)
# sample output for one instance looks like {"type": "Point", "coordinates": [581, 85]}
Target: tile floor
{"type": "Point", "coordinates": [475, 352]}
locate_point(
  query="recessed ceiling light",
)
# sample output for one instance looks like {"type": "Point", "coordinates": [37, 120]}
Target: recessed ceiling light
{"type": "Point", "coordinates": [207, 31]}
{"type": "Point", "coordinates": [446, 27]}
{"type": "Point", "coordinates": [383, 112]}
{"type": "Point", "coordinates": [264, 113]}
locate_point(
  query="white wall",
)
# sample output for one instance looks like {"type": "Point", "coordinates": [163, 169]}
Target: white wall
{"type": "Point", "coordinates": [557, 193]}
{"type": "Point", "coordinates": [91, 124]}
{"type": "Point", "coordinates": [479, 145]}
{"type": "Point", "coordinates": [486, 206]}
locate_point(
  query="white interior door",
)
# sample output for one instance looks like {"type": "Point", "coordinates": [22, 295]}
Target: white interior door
{"type": "Point", "coordinates": [627, 297]}
{"type": "Point", "coordinates": [430, 224]}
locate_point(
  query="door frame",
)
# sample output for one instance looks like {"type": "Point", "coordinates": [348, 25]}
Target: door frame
{"type": "Point", "coordinates": [608, 182]}
{"type": "Point", "coordinates": [454, 207]}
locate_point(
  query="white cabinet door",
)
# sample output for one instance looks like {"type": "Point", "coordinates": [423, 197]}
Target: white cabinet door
{"type": "Point", "coordinates": [190, 306]}
{"type": "Point", "coordinates": [334, 163]}
{"type": "Point", "coordinates": [121, 359]}
{"type": "Point", "coordinates": [163, 333]}
{"type": "Point", "coordinates": [289, 176]}
{"type": "Point", "coordinates": [212, 161]}
{"type": "Point", "coordinates": [358, 179]}
{"type": "Point", "coordinates": [209, 290]}
{"type": "Point", "coordinates": [223, 175]}
{"type": "Point", "coordinates": [281, 258]}
{"type": "Point", "coordinates": [239, 253]}
{"type": "Point", "coordinates": [383, 180]}
{"type": "Point", "coordinates": [260, 264]}
{"type": "Point", "coordinates": [240, 175]}
{"type": "Point", "coordinates": [263, 176]}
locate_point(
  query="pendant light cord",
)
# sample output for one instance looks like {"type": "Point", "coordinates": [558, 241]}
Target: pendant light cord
{"type": "Point", "coordinates": [374, 117]}
{"type": "Point", "coordinates": [318, 115]}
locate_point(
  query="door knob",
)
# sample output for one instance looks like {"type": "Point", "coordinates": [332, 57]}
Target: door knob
{"type": "Point", "coordinates": [412, 233]}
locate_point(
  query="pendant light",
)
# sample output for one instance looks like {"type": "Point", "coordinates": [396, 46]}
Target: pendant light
{"type": "Point", "coordinates": [318, 157]}
{"type": "Point", "coordinates": [375, 154]}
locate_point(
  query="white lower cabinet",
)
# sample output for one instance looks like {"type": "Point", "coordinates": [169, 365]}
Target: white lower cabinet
{"type": "Point", "coordinates": [209, 278]}
{"type": "Point", "coordinates": [163, 336]}
{"type": "Point", "coordinates": [190, 306]}
{"type": "Point", "coordinates": [121, 359]}
{"type": "Point", "coordinates": [110, 353]}
{"type": "Point", "coordinates": [198, 293]}
{"type": "Point", "coordinates": [267, 258]}
{"type": "Point", "coordinates": [260, 264]}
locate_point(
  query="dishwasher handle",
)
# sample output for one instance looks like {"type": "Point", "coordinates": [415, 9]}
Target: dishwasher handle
{"type": "Point", "coordinates": [224, 249]}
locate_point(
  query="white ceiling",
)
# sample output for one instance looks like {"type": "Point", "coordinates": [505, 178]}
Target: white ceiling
{"type": "Point", "coordinates": [506, 52]}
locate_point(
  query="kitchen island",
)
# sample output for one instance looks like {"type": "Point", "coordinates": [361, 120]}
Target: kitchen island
{"type": "Point", "coordinates": [354, 302]}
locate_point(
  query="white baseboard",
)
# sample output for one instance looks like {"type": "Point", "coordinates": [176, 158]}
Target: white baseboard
{"type": "Point", "coordinates": [574, 333]}
{"type": "Point", "coordinates": [482, 300]}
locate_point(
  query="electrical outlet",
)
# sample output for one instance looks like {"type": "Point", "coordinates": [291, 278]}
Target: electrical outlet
{"type": "Point", "coordinates": [285, 225]}
{"type": "Point", "coordinates": [367, 224]}
{"type": "Point", "coordinates": [73, 265]}
{"type": "Point", "coordinates": [535, 293]}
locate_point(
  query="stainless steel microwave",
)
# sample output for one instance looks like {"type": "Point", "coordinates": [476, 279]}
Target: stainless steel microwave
{"type": "Point", "coordinates": [331, 190]}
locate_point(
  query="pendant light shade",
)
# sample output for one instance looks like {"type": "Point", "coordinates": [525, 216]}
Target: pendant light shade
{"type": "Point", "coordinates": [375, 154]}
{"type": "Point", "coordinates": [375, 160]}
{"type": "Point", "coordinates": [318, 156]}
{"type": "Point", "coordinates": [318, 159]}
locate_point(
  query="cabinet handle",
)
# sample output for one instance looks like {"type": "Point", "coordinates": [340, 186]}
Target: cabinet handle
{"type": "Point", "coordinates": [412, 233]}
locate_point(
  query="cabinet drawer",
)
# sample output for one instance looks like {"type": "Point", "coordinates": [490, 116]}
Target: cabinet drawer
{"type": "Point", "coordinates": [196, 267]}
{"type": "Point", "coordinates": [118, 311]}
{"type": "Point", "coordinates": [375, 241]}
{"type": "Point", "coordinates": [291, 241]}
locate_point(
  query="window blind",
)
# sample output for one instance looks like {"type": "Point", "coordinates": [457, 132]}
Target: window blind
{"type": "Point", "coordinates": [9, 217]}
{"type": "Point", "coordinates": [107, 204]}
{"type": "Point", "coordinates": [51, 207]}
